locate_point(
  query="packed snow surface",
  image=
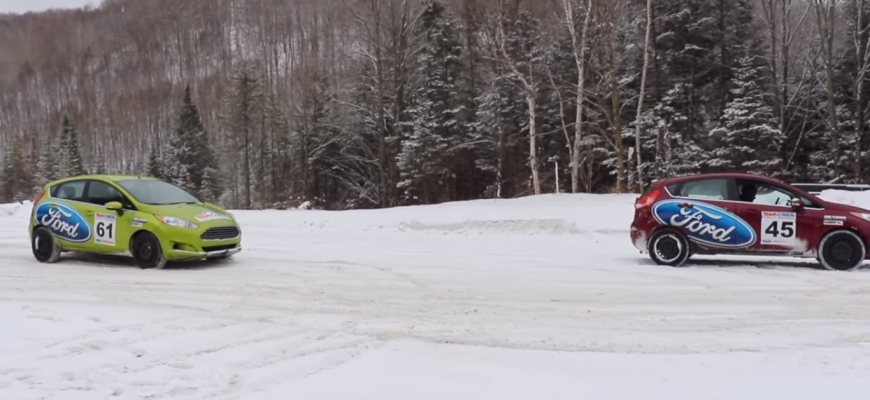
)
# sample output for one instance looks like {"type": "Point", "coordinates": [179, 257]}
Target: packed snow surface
{"type": "Point", "coordinates": [533, 298]}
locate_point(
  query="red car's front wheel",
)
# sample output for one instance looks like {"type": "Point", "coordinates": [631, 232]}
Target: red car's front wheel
{"type": "Point", "coordinates": [842, 250]}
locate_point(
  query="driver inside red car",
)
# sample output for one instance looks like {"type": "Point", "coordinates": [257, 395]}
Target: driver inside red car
{"type": "Point", "coordinates": [748, 192]}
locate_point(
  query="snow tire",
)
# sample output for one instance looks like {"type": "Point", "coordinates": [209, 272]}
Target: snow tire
{"type": "Point", "coordinates": [45, 248]}
{"type": "Point", "coordinates": [147, 251]}
{"type": "Point", "coordinates": [669, 247]}
{"type": "Point", "coordinates": [842, 250]}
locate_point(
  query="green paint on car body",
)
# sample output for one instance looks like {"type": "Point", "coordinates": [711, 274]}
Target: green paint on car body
{"type": "Point", "coordinates": [104, 213]}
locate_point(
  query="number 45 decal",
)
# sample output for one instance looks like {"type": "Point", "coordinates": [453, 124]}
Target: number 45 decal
{"type": "Point", "coordinates": [778, 228]}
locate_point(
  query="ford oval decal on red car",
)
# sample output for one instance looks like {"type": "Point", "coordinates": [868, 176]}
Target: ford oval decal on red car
{"type": "Point", "coordinates": [705, 223]}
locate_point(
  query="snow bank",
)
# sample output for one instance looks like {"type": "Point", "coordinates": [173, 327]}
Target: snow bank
{"type": "Point", "coordinates": [16, 210]}
{"type": "Point", "coordinates": [539, 297]}
{"type": "Point", "coordinates": [857, 199]}
{"type": "Point", "coordinates": [562, 214]}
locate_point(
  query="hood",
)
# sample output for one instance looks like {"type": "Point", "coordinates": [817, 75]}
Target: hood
{"type": "Point", "coordinates": [200, 214]}
{"type": "Point", "coordinates": [844, 207]}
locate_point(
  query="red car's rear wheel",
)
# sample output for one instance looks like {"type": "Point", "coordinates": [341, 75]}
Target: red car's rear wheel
{"type": "Point", "coordinates": [669, 247]}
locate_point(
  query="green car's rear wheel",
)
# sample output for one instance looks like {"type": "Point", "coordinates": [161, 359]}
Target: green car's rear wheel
{"type": "Point", "coordinates": [44, 248]}
{"type": "Point", "coordinates": [147, 251]}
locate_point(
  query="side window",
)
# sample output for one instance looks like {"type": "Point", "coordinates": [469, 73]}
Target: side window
{"type": "Point", "coordinates": [69, 191]}
{"type": "Point", "coordinates": [773, 196]}
{"type": "Point", "coordinates": [715, 189]}
{"type": "Point", "coordinates": [100, 193]}
{"type": "Point", "coordinates": [762, 193]}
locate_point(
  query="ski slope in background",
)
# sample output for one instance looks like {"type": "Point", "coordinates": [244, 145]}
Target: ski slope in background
{"type": "Point", "coordinates": [533, 298]}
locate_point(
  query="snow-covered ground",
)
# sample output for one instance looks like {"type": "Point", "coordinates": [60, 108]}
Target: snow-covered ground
{"type": "Point", "coordinates": [534, 298]}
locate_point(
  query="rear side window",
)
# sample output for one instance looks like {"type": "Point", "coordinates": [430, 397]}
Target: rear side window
{"type": "Point", "coordinates": [716, 189]}
{"type": "Point", "coordinates": [100, 193]}
{"type": "Point", "coordinates": [69, 191]}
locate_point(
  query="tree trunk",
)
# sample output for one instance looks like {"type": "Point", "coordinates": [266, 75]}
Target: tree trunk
{"type": "Point", "coordinates": [580, 61]}
{"type": "Point", "coordinates": [533, 146]}
{"type": "Point", "coordinates": [826, 15]}
{"type": "Point", "coordinates": [637, 123]}
{"type": "Point", "coordinates": [861, 43]}
{"type": "Point", "coordinates": [621, 186]}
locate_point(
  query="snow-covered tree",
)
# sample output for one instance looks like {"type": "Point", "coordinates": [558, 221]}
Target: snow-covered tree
{"type": "Point", "coordinates": [747, 139]}
{"type": "Point", "coordinates": [189, 152]}
{"type": "Point", "coordinates": [70, 161]}
{"type": "Point", "coordinates": [426, 159]}
{"type": "Point", "coordinates": [47, 165]}
{"type": "Point", "coordinates": [17, 185]}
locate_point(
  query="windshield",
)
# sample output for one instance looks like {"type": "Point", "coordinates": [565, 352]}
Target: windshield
{"type": "Point", "coordinates": [157, 192]}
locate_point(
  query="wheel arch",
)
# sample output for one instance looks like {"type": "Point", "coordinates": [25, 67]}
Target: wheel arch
{"type": "Point", "coordinates": [135, 235]}
{"type": "Point", "coordinates": [857, 232]}
{"type": "Point", "coordinates": [693, 246]}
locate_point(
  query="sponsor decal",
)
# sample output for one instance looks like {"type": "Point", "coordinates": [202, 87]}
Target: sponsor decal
{"type": "Point", "coordinates": [705, 223]}
{"type": "Point", "coordinates": [139, 222]}
{"type": "Point", "coordinates": [210, 216]}
{"type": "Point", "coordinates": [778, 228]}
{"type": "Point", "coordinates": [64, 221]}
{"type": "Point", "coordinates": [106, 226]}
{"type": "Point", "coordinates": [834, 220]}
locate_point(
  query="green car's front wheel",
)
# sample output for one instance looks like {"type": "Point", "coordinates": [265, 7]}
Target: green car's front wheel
{"type": "Point", "coordinates": [44, 248]}
{"type": "Point", "coordinates": [147, 251]}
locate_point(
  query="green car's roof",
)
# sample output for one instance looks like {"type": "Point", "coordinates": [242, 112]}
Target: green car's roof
{"type": "Point", "coordinates": [113, 178]}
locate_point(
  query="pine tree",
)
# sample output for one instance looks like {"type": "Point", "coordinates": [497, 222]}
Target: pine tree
{"type": "Point", "coordinates": [17, 184]}
{"type": "Point", "coordinates": [426, 160]}
{"type": "Point", "coordinates": [47, 166]}
{"type": "Point", "coordinates": [747, 139]}
{"type": "Point", "coordinates": [190, 153]}
{"type": "Point", "coordinates": [244, 104]}
{"type": "Point", "coordinates": [155, 165]}
{"type": "Point", "coordinates": [70, 163]}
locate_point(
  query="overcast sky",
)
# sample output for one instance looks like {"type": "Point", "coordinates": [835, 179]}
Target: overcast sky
{"type": "Point", "coordinates": [23, 6]}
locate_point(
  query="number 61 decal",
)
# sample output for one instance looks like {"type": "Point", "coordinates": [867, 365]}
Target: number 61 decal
{"type": "Point", "coordinates": [105, 226]}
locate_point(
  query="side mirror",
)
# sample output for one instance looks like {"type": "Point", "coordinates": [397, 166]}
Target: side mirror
{"type": "Point", "coordinates": [796, 203]}
{"type": "Point", "coordinates": [115, 206]}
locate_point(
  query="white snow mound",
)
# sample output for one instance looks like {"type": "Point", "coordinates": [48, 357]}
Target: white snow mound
{"type": "Point", "coordinates": [540, 297]}
{"type": "Point", "coordinates": [852, 198]}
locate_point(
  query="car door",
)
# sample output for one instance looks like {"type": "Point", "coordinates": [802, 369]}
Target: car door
{"type": "Point", "coordinates": [703, 210]}
{"type": "Point", "coordinates": [111, 229]}
{"type": "Point", "coordinates": [781, 228]}
{"type": "Point", "coordinates": [64, 214]}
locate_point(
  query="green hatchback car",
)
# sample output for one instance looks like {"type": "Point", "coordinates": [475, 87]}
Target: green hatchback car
{"type": "Point", "coordinates": [145, 218]}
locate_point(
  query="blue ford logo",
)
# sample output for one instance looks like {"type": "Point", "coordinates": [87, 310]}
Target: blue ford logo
{"type": "Point", "coordinates": [65, 222]}
{"type": "Point", "coordinates": [705, 223]}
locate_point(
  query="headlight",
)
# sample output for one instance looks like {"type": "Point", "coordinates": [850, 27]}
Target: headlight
{"type": "Point", "coordinates": [866, 217]}
{"type": "Point", "coordinates": [181, 223]}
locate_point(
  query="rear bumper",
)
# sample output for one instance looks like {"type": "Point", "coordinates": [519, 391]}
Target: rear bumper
{"type": "Point", "coordinates": [638, 239]}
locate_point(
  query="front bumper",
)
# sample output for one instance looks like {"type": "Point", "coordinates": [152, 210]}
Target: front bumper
{"type": "Point", "coordinates": [182, 255]}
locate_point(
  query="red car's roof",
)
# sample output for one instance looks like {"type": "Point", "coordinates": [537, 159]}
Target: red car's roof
{"type": "Point", "coordinates": [733, 175]}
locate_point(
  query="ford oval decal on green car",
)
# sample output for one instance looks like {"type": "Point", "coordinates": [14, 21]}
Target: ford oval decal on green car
{"type": "Point", "coordinates": [64, 221]}
{"type": "Point", "coordinates": [153, 221]}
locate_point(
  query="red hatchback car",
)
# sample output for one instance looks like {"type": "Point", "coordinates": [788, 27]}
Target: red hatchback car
{"type": "Point", "coordinates": [745, 214]}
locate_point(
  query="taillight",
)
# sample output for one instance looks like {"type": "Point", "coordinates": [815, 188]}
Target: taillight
{"type": "Point", "coordinates": [41, 195]}
{"type": "Point", "coordinates": [648, 199]}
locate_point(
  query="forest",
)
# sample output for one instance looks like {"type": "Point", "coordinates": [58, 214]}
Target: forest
{"type": "Point", "coordinates": [379, 103]}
